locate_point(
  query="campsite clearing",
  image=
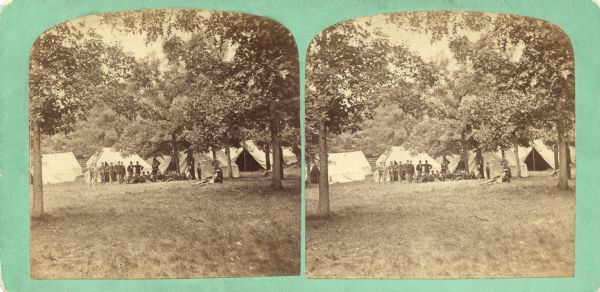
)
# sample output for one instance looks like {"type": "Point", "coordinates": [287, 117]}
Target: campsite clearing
{"type": "Point", "coordinates": [458, 229]}
{"type": "Point", "coordinates": [168, 230]}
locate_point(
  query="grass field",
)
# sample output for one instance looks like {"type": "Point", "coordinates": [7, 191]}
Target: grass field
{"type": "Point", "coordinates": [168, 230]}
{"type": "Point", "coordinates": [460, 229]}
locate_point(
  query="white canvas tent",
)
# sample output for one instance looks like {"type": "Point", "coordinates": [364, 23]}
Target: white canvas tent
{"type": "Point", "coordinates": [59, 168]}
{"type": "Point", "coordinates": [250, 158]}
{"type": "Point", "coordinates": [358, 157]}
{"type": "Point", "coordinates": [538, 156]}
{"type": "Point", "coordinates": [342, 167]}
{"type": "Point", "coordinates": [110, 155]}
{"type": "Point", "coordinates": [399, 154]}
{"type": "Point", "coordinates": [206, 163]}
{"type": "Point", "coordinates": [347, 167]}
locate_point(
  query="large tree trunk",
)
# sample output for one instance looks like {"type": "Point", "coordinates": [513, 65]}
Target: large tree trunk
{"type": "Point", "coordinates": [323, 172]}
{"type": "Point", "coordinates": [214, 154]}
{"type": "Point", "coordinates": [568, 161]}
{"type": "Point", "coordinates": [175, 156]}
{"type": "Point", "coordinates": [275, 144]}
{"type": "Point", "coordinates": [556, 162]}
{"type": "Point", "coordinates": [229, 168]}
{"type": "Point", "coordinates": [37, 204]}
{"type": "Point", "coordinates": [465, 153]}
{"type": "Point", "coordinates": [267, 156]}
{"type": "Point", "coordinates": [281, 162]}
{"type": "Point", "coordinates": [480, 162]}
{"type": "Point", "coordinates": [518, 165]}
{"type": "Point", "coordinates": [563, 180]}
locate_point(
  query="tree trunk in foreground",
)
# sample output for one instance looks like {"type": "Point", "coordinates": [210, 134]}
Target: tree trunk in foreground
{"type": "Point", "coordinates": [563, 180]}
{"type": "Point", "coordinates": [175, 158]}
{"type": "Point", "coordinates": [276, 172]}
{"type": "Point", "coordinates": [323, 172]}
{"type": "Point", "coordinates": [480, 162]}
{"type": "Point", "coordinates": [37, 204]}
{"type": "Point", "coordinates": [556, 162]}
{"type": "Point", "coordinates": [267, 156]}
{"type": "Point", "coordinates": [281, 162]}
{"type": "Point", "coordinates": [229, 168]}
{"type": "Point", "coordinates": [518, 166]}
{"type": "Point", "coordinates": [568, 161]}
{"type": "Point", "coordinates": [465, 153]}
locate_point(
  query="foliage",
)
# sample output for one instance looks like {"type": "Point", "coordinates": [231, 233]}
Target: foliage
{"type": "Point", "coordinates": [65, 74]}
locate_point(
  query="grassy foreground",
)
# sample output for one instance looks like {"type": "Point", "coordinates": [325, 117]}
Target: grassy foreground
{"type": "Point", "coordinates": [460, 229]}
{"type": "Point", "coordinates": [168, 230]}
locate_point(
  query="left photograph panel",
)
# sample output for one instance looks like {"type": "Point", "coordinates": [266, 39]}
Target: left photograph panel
{"type": "Point", "coordinates": [164, 144]}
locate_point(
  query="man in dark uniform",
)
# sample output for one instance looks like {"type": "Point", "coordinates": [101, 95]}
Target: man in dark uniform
{"type": "Point", "coordinates": [106, 171]}
{"type": "Point", "coordinates": [401, 172]}
{"type": "Point", "coordinates": [419, 169]}
{"type": "Point", "coordinates": [111, 170]}
{"type": "Point", "coordinates": [137, 168]}
{"type": "Point", "coordinates": [123, 171]}
{"type": "Point", "coordinates": [427, 167]}
{"type": "Point", "coordinates": [444, 165]}
{"type": "Point", "coordinates": [190, 164]}
{"type": "Point", "coordinates": [155, 165]}
{"type": "Point", "coordinates": [130, 171]}
{"type": "Point", "coordinates": [487, 170]}
{"type": "Point", "coordinates": [411, 169]}
{"type": "Point", "coordinates": [219, 175]}
{"type": "Point", "coordinates": [119, 174]}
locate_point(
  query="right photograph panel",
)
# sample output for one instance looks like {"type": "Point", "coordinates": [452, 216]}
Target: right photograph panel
{"type": "Point", "coordinates": [440, 145]}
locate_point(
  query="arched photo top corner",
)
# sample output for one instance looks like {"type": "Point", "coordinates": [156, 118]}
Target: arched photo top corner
{"type": "Point", "coordinates": [186, 20]}
{"type": "Point", "coordinates": [395, 18]}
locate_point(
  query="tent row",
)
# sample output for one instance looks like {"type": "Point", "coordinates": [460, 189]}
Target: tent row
{"type": "Point", "coordinates": [494, 159]}
{"type": "Point", "coordinates": [63, 167]}
{"type": "Point", "coordinates": [248, 157]}
{"type": "Point", "coordinates": [354, 166]}
{"type": "Point", "coordinates": [537, 157]}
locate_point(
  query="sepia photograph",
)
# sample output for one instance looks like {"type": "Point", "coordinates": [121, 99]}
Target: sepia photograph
{"type": "Point", "coordinates": [440, 145]}
{"type": "Point", "coordinates": [164, 144]}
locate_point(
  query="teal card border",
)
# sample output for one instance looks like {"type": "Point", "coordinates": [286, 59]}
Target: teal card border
{"type": "Point", "coordinates": [22, 21]}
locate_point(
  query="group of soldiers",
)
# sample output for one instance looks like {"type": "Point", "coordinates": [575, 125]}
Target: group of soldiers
{"type": "Point", "coordinates": [135, 173]}
{"type": "Point", "coordinates": [397, 171]}
{"type": "Point", "coordinates": [114, 173]}
{"type": "Point", "coordinates": [422, 172]}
